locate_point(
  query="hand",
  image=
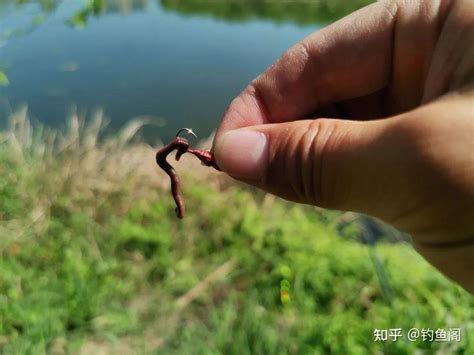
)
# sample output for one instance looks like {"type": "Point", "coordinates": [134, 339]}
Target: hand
{"type": "Point", "coordinates": [373, 114]}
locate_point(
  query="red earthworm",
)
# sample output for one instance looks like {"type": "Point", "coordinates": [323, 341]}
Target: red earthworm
{"type": "Point", "coordinates": [206, 157]}
{"type": "Point", "coordinates": [181, 146]}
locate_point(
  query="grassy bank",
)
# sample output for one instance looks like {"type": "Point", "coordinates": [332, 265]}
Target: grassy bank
{"type": "Point", "coordinates": [93, 260]}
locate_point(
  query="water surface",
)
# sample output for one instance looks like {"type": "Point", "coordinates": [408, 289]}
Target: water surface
{"type": "Point", "coordinates": [180, 60]}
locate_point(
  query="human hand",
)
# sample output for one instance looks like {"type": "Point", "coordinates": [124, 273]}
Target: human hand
{"type": "Point", "coordinates": [373, 114]}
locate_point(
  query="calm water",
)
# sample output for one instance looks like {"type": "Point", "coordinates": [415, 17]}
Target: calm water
{"type": "Point", "coordinates": [135, 58]}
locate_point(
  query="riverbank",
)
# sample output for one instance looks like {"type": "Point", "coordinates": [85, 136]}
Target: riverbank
{"type": "Point", "coordinates": [93, 259]}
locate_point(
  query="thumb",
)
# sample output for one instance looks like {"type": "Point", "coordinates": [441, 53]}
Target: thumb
{"type": "Point", "coordinates": [331, 163]}
{"type": "Point", "coordinates": [414, 171]}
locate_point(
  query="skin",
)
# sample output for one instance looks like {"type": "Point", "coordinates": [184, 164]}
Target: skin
{"type": "Point", "coordinates": [373, 114]}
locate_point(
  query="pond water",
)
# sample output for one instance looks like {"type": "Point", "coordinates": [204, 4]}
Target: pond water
{"type": "Point", "coordinates": [179, 60]}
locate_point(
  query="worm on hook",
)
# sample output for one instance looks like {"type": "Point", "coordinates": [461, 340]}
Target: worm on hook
{"type": "Point", "coordinates": [181, 146]}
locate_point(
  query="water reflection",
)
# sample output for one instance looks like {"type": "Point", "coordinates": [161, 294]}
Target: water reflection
{"type": "Point", "coordinates": [297, 11]}
{"type": "Point", "coordinates": [20, 17]}
{"type": "Point", "coordinates": [101, 7]}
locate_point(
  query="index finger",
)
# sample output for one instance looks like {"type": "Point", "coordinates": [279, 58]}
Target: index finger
{"type": "Point", "coordinates": [347, 59]}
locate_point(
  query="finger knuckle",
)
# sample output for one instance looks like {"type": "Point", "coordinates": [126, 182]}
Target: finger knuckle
{"type": "Point", "coordinates": [310, 171]}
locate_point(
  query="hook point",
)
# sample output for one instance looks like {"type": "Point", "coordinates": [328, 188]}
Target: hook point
{"type": "Point", "coordinates": [187, 130]}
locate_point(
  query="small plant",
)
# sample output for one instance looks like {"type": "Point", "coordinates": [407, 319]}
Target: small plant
{"type": "Point", "coordinates": [181, 146]}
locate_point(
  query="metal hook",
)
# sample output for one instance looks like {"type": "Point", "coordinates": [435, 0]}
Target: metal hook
{"type": "Point", "coordinates": [187, 130]}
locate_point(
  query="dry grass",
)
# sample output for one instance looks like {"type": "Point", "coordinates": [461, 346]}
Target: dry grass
{"type": "Point", "coordinates": [91, 169]}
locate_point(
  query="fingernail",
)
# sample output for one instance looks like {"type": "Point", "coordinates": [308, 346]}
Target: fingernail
{"type": "Point", "coordinates": [242, 153]}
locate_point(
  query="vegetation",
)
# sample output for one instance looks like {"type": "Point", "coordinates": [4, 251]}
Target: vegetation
{"type": "Point", "coordinates": [302, 12]}
{"type": "Point", "coordinates": [93, 259]}
{"type": "Point", "coordinates": [4, 79]}
{"type": "Point", "coordinates": [101, 7]}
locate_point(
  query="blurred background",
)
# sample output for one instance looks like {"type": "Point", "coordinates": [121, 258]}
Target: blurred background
{"type": "Point", "coordinates": [92, 257]}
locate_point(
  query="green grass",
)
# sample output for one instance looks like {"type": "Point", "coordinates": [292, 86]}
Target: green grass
{"type": "Point", "coordinates": [92, 259]}
{"type": "Point", "coordinates": [302, 12]}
